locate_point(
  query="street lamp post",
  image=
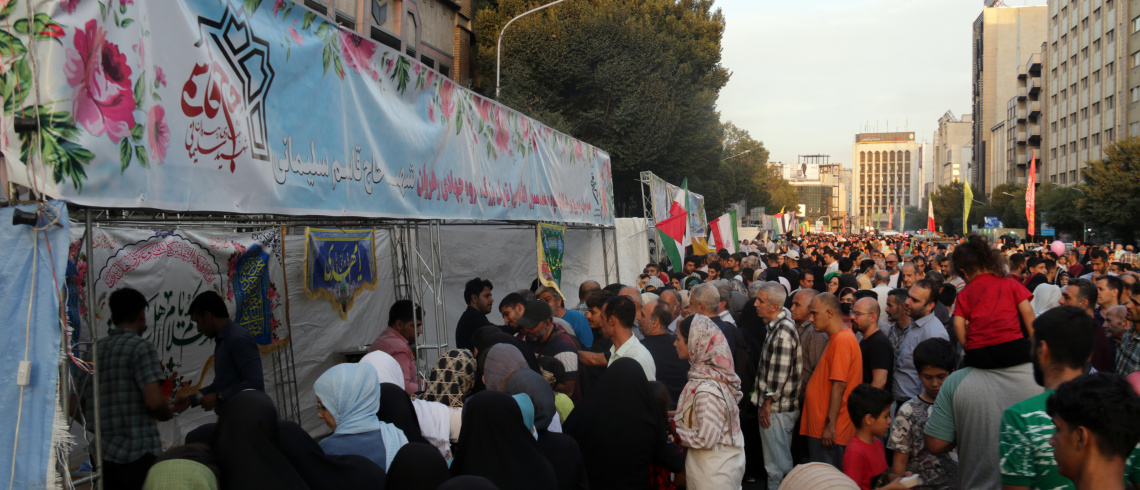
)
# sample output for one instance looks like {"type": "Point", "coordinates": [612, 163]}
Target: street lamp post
{"type": "Point", "coordinates": [499, 47]}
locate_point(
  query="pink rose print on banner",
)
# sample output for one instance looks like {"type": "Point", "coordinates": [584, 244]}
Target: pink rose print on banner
{"type": "Point", "coordinates": [159, 75]}
{"type": "Point", "coordinates": [431, 112]}
{"type": "Point", "coordinates": [277, 6]}
{"type": "Point", "coordinates": [447, 99]}
{"type": "Point", "coordinates": [358, 54]}
{"type": "Point", "coordinates": [157, 133]}
{"type": "Point", "coordinates": [502, 136]}
{"type": "Point", "coordinates": [103, 101]}
{"type": "Point", "coordinates": [69, 6]}
{"type": "Point", "coordinates": [484, 107]}
{"type": "Point", "coordinates": [296, 36]}
{"type": "Point", "coordinates": [430, 77]}
{"type": "Point", "coordinates": [578, 150]}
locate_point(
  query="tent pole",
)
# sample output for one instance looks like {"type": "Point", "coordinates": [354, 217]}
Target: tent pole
{"type": "Point", "coordinates": [91, 286]}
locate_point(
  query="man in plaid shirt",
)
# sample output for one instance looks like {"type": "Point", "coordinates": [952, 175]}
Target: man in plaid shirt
{"type": "Point", "coordinates": [130, 394]}
{"type": "Point", "coordinates": [777, 390]}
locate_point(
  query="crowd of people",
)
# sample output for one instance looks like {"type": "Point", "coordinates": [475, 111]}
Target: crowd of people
{"type": "Point", "coordinates": [821, 361]}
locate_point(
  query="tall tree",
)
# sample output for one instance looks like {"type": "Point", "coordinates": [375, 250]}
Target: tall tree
{"type": "Point", "coordinates": [1112, 186]}
{"type": "Point", "coordinates": [637, 78]}
{"type": "Point", "coordinates": [948, 207]}
{"type": "Point", "coordinates": [744, 164]}
{"type": "Point", "coordinates": [1060, 206]}
{"type": "Point", "coordinates": [1007, 201]}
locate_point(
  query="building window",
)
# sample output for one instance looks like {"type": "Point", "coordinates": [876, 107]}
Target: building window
{"type": "Point", "coordinates": [1096, 108]}
{"type": "Point", "coordinates": [1134, 129]}
{"type": "Point", "coordinates": [1108, 103]}
{"type": "Point", "coordinates": [1108, 134]}
{"type": "Point", "coordinates": [1110, 35]}
{"type": "Point", "coordinates": [1064, 122]}
{"type": "Point", "coordinates": [1135, 93]}
{"type": "Point", "coordinates": [1096, 139]}
{"type": "Point", "coordinates": [1084, 54]}
{"type": "Point", "coordinates": [1053, 153]}
{"type": "Point", "coordinates": [1053, 126]}
{"type": "Point", "coordinates": [1136, 24]}
{"type": "Point", "coordinates": [1109, 69]}
{"type": "Point", "coordinates": [1084, 113]}
{"type": "Point", "coordinates": [1084, 143]}
{"type": "Point", "coordinates": [1085, 83]}
{"type": "Point", "coordinates": [1135, 59]}
{"type": "Point", "coordinates": [1096, 76]}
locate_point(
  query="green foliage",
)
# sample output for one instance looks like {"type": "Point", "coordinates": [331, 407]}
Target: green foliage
{"type": "Point", "coordinates": [1060, 204]}
{"type": "Point", "coordinates": [638, 78]}
{"type": "Point", "coordinates": [1007, 202]}
{"type": "Point", "coordinates": [948, 207]}
{"type": "Point", "coordinates": [915, 219]}
{"type": "Point", "coordinates": [1112, 188]}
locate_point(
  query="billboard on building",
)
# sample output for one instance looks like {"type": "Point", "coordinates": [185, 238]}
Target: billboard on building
{"type": "Point", "coordinates": [800, 172]}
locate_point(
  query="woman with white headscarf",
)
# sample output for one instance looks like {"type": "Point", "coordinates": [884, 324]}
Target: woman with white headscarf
{"type": "Point", "coordinates": [348, 398]}
{"type": "Point", "coordinates": [1045, 297]}
{"type": "Point", "coordinates": [708, 418]}
{"type": "Point", "coordinates": [387, 368]}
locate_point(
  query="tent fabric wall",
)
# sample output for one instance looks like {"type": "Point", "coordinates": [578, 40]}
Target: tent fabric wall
{"type": "Point", "coordinates": [633, 247]}
{"type": "Point", "coordinates": [36, 411]}
{"type": "Point", "coordinates": [504, 254]}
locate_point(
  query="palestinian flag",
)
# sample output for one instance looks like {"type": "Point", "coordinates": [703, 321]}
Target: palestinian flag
{"type": "Point", "coordinates": [671, 232]}
{"type": "Point", "coordinates": [724, 232]}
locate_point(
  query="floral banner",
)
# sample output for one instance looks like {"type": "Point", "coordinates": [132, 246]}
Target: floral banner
{"type": "Point", "coordinates": [339, 265]}
{"type": "Point", "coordinates": [551, 250]}
{"type": "Point", "coordinates": [170, 268]}
{"type": "Point", "coordinates": [262, 106]}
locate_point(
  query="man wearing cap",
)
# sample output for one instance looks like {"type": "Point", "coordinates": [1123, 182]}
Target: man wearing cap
{"type": "Point", "coordinates": [537, 324]}
{"type": "Point", "coordinates": [576, 320]}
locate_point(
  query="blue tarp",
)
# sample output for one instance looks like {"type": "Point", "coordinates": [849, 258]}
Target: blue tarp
{"type": "Point", "coordinates": [43, 339]}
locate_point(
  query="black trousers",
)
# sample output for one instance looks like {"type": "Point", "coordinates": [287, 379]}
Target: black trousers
{"type": "Point", "coordinates": [753, 450]}
{"type": "Point", "coordinates": [127, 476]}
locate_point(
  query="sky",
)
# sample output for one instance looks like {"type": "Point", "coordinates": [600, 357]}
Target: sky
{"type": "Point", "coordinates": [809, 74]}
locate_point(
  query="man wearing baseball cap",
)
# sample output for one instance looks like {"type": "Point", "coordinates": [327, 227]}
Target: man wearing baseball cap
{"type": "Point", "coordinates": [537, 324]}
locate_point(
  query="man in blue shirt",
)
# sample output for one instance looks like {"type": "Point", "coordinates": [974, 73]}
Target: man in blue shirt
{"type": "Point", "coordinates": [576, 320]}
{"type": "Point", "coordinates": [237, 362]}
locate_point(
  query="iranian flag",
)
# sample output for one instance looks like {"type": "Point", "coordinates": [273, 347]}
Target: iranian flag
{"type": "Point", "coordinates": [930, 214]}
{"type": "Point", "coordinates": [724, 232]}
{"type": "Point", "coordinates": [671, 231]}
{"type": "Point", "coordinates": [891, 216]}
{"type": "Point", "coordinates": [681, 206]}
{"type": "Point", "coordinates": [1031, 194]}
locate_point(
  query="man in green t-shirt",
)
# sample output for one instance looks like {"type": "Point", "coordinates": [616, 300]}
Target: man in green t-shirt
{"type": "Point", "coordinates": [1063, 340]}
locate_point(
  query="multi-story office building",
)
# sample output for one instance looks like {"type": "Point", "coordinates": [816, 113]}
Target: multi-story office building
{"type": "Point", "coordinates": [952, 149]}
{"type": "Point", "coordinates": [1004, 39]}
{"type": "Point", "coordinates": [1092, 83]}
{"type": "Point", "coordinates": [1023, 124]}
{"type": "Point", "coordinates": [884, 177]}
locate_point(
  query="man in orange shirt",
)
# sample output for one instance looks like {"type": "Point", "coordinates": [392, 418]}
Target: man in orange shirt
{"type": "Point", "coordinates": [826, 422]}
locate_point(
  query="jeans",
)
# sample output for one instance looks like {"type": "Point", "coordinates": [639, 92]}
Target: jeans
{"type": "Point", "coordinates": [127, 476]}
{"type": "Point", "coordinates": [819, 454]}
{"type": "Point", "coordinates": [777, 441]}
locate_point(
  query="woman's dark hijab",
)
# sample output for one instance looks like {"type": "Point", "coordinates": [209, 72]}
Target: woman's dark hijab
{"type": "Point", "coordinates": [396, 408]}
{"type": "Point", "coordinates": [487, 337]}
{"type": "Point", "coordinates": [417, 466]}
{"type": "Point", "coordinates": [255, 450]}
{"type": "Point", "coordinates": [468, 483]}
{"type": "Point", "coordinates": [495, 444]}
{"type": "Point", "coordinates": [249, 448]}
{"type": "Point", "coordinates": [541, 395]}
{"type": "Point", "coordinates": [618, 428]}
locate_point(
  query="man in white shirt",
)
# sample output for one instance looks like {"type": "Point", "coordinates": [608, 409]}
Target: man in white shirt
{"type": "Point", "coordinates": [882, 288]}
{"type": "Point", "coordinates": [620, 313]}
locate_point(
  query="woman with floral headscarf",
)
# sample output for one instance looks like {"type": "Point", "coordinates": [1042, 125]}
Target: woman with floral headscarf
{"type": "Point", "coordinates": [708, 419]}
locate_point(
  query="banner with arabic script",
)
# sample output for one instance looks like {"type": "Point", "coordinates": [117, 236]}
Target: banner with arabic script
{"type": "Point", "coordinates": [339, 265]}
{"type": "Point", "coordinates": [170, 268]}
{"type": "Point", "coordinates": [262, 106]}
{"type": "Point", "coordinates": [551, 250]}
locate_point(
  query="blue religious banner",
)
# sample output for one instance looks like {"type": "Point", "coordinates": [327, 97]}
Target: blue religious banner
{"type": "Point", "coordinates": [251, 293]}
{"type": "Point", "coordinates": [338, 265]}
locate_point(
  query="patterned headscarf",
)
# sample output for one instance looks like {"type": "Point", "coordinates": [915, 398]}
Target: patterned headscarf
{"type": "Point", "coordinates": [451, 379]}
{"type": "Point", "coordinates": [711, 371]}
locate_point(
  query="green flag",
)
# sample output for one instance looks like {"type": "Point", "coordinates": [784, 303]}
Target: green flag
{"type": "Point", "coordinates": [968, 194]}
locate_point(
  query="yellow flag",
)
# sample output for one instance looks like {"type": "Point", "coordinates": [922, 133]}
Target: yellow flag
{"type": "Point", "coordinates": [968, 194]}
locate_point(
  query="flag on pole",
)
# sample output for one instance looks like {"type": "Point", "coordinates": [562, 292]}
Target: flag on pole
{"type": "Point", "coordinates": [725, 233]}
{"type": "Point", "coordinates": [672, 231]}
{"type": "Point", "coordinates": [891, 215]}
{"type": "Point", "coordinates": [930, 214]}
{"type": "Point", "coordinates": [968, 198]}
{"type": "Point", "coordinates": [920, 156]}
{"type": "Point", "coordinates": [681, 206]}
{"type": "Point", "coordinates": [1031, 194]}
